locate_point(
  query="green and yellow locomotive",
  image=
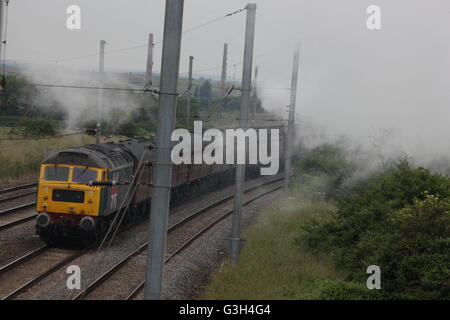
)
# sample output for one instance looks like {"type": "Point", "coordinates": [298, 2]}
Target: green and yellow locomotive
{"type": "Point", "coordinates": [80, 189]}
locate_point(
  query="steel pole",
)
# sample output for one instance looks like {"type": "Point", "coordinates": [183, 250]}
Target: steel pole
{"type": "Point", "coordinates": [189, 94]}
{"type": "Point", "coordinates": [243, 123]}
{"type": "Point", "coordinates": [291, 130]}
{"type": "Point", "coordinates": [162, 172]}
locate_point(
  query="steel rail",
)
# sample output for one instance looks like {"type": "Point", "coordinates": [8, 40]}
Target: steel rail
{"type": "Point", "coordinates": [21, 187]}
{"type": "Point", "coordinates": [17, 262]}
{"type": "Point", "coordinates": [92, 286]}
{"type": "Point", "coordinates": [43, 275]}
{"type": "Point", "coordinates": [17, 196]}
{"type": "Point", "coordinates": [17, 222]}
{"type": "Point", "coordinates": [197, 235]}
{"type": "Point", "coordinates": [18, 208]}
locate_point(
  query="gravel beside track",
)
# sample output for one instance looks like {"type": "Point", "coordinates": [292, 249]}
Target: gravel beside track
{"type": "Point", "coordinates": [187, 274]}
{"type": "Point", "coordinates": [18, 240]}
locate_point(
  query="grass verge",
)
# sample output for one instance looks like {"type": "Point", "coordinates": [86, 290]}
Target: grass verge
{"type": "Point", "coordinates": [272, 266]}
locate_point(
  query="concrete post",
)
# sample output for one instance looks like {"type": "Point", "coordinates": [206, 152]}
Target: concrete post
{"type": "Point", "coordinates": [162, 172]}
{"type": "Point", "coordinates": [2, 4]}
{"type": "Point", "coordinates": [243, 123]}
{"type": "Point", "coordinates": [101, 70]}
{"type": "Point", "coordinates": [224, 70]}
{"type": "Point", "coordinates": [291, 121]}
{"type": "Point", "coordinates": [255, 97]}
{"type": "Point", "coordinates": [149, 72]}
{"type": "Point", "coordinates": [189, 94]}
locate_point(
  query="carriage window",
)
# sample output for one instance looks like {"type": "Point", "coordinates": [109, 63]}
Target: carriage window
{"type": "Point", "coordinates": [85, 175]}
{"type": "Point", "coordinates": [55, 173]}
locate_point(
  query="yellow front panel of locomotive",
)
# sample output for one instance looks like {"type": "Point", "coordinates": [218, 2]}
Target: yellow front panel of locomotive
{"type": "Point", "coordinates": [90, 205]}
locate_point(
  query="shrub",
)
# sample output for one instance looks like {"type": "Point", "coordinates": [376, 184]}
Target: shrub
{"type": "Point", "coordinates": [35, 128]}
{"type": "Point", "coordinates": [345, 290]}
{"type": "Point", "coordinates": [412, 248]}
{"type": "Point", "coordinates": [398, 220]}
{"type": "Point", "coordinates": [131, 130]}
{"type": "Point", "coordinates": [326, 164]}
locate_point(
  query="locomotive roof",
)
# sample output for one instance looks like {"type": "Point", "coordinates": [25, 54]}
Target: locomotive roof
{"type": "Point", "coordinates": [108, 155]}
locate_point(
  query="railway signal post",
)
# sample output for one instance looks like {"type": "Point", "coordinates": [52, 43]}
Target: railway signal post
{"type": "Point", "coordinates": [162, 172]}
{"type": "Point", "coordinates": [101, 69]}
{"type": "Point", "coordinates": [235, 241]}
{"type": "Point", "coordinates": [291, 121]}
{"type": "Point", "coordinates": [149, 72]}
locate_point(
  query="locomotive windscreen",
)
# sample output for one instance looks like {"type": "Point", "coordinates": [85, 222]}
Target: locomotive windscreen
{"type": "Point", "coordinates": [68, 196]}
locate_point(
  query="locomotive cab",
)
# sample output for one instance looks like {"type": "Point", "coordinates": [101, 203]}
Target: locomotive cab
{"type": "Point", "coordinates": [65, 198]}
{"type": "Point", "coordinates": [64, 189]}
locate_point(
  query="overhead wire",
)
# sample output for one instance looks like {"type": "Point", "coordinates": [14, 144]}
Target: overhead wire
{"type": "Point", "coordinates": [155, 43]}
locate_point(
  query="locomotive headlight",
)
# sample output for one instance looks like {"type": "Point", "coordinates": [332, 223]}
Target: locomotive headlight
{"type": "Point", "coordinates": [44, 206]}
{"type": "Point", "coordinates": [46, 190]}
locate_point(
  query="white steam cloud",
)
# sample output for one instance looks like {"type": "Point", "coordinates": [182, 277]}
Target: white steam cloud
{"type": "Point", "coordinates": [82, 105]}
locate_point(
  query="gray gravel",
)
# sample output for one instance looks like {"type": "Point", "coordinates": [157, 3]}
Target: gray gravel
{"type": "Point", "coordinates": [19, 240]}
{"type": "Point", "coordinates": [188, 273]}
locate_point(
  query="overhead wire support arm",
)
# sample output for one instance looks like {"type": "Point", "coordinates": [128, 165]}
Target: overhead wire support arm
{"type": "Point", "coordinates": [100, 88]}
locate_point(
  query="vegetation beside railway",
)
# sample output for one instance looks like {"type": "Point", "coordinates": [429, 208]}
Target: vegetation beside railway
{"type": "Point", "coordinates": [318, 242]}
{"type": "Point", "coordinates": [21, 159]}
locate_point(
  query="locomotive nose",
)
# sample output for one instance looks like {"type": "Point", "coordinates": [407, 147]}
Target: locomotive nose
{"type": "Point", "coordinates": [43, 220]}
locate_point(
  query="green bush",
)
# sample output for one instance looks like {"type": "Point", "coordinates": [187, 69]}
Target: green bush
{"type": "Point", "coordinates": [327, 165]}
{"type": "Point", "coordinates": [131, 130]}
{"type": "Point", "coordinates": [345, 290]}
{"type": "Point", "coordinates": [413, 249]}
{"type": "Point", "coordinates": [35, 128]}
{"type": "Point", "coordinates": [398, 220]}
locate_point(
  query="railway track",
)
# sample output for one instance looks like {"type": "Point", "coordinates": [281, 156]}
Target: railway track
{"type": "Point", "coordinates": [179, 248]}
{"type": "Point", "coordinates": [17, 196]}
{"type": "Point", "coordinates": [17, 208]}
{"type": "Point", "coordinates": [15, 193]}
{"type": "Point", "coordinates": [71, 256]}
{"type": "Point", "coordinates": [55, 267]}
{"type": "Point", "coordinates": [17, 222]}
{"type": "Point", "coordinates": [23, 259]}
{"type": "Point", "coordinates": [17, 188]}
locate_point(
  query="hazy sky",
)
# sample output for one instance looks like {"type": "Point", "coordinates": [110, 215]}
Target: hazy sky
{"type": "Point", "coordinates": [353, 81]}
